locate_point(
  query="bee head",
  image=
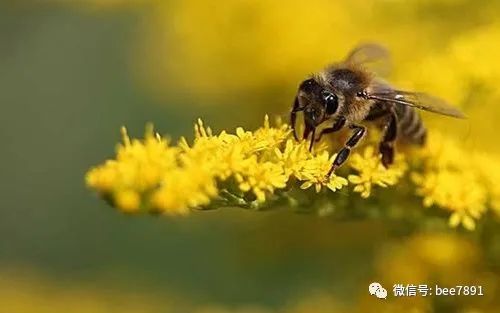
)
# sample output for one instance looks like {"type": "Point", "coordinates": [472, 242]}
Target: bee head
{"type": "Point", "coordinates": [317, 102]}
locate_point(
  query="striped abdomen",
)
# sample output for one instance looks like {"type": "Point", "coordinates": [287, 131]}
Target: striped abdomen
{"type": "Point", "coordinates": [410, 125]}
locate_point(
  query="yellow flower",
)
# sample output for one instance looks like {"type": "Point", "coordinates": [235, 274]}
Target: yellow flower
{"type": "Point", "coordinates": [182, 189]}
{"type": "Point", "coordinates": [127, 200]}
{"type": "Point", "coordinates": [139, 167]}
{"type": "Point", "coordinates": [370, 171]}
{"type": "Point", "coordinates": [261, 178]}
{"type": "Point", "coordinates": [442, 152]}
{"type": "Point", "coordinates": [314, 173]}
{"type": "Point", "coordinates": [458, 191]}
{"type": "Point", "coordinates": [272, 135]}
{"type": "Point", "coordinates": [293, 157]}
{"type": "Point", "coordinates": [103, 178]}
{"type": "Point", "coordinates": [457, 180]}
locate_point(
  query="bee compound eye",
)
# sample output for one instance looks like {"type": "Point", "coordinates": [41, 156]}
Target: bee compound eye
{"type": "Point", "coordinates": [331, 102]}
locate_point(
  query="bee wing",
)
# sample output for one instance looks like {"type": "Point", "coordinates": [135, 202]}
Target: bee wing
{"type": "Point", "coordinates": [371, 56]}
{"type": "Point", "coordinates": [417, 100]}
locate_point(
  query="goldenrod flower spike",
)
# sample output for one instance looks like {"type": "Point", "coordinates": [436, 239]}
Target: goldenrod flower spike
{"type": "Point", "coordinates": [261, 168]}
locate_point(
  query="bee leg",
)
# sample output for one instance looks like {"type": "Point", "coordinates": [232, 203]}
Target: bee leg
{"type": "Point", "coordinates": [357, 134]}
{"type": "Point", "coordinates": [307, 131]}
{"type": "Point", "coordinates": [312, 139]}
{"type": "Point", "coordinates": [338, 125]}
{"type": "Point", "coordinates": [293, 117]}
{"type": "Point", "coordinates": [386, 146]}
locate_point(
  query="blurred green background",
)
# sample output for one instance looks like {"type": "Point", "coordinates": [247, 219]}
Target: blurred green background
{"type": "Point", "coordinates": [71, 73]}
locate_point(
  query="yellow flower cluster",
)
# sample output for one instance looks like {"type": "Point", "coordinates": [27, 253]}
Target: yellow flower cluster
{"type": "Point", "coordinates": [459, 180]}
{"type": "Point", "coordinates": [247, 166]}
{"type": "Point", "coordinates": [372, 172]}
{"type": "Point", "coordinates": [250, 169]}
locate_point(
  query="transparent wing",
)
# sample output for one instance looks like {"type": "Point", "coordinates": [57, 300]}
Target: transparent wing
{"type": "Point", "coordinates": [371, 56]}
{"type": "Point", "coordinates": [417, 100]}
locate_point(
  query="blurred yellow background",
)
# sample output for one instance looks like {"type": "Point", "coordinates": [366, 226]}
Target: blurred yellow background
{"type": "Point", "coordinates": [73, 72]}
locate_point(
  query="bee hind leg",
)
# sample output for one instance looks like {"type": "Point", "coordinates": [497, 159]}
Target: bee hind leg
{"type": "Point", "coordinates": [358, 133]}
{"type": "Point", "coordinates": [386, 146]}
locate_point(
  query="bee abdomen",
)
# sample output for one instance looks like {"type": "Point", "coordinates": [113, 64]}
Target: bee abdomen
{"type": "Point", "coordinates": [411, 127]}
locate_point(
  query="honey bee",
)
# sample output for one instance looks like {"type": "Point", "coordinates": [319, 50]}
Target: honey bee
{"type": "Point", "coordinates": [352, 91]}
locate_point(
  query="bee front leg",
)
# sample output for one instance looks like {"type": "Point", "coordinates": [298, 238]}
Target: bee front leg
{"type": "Point", "coordinates": [293, 116]}
{"type": "Point", "coordinates": [358, 133]}
{"type": "Point", "coordinates": [386, 146]}
{"type": "Point", "coordinates": [338, 125]}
